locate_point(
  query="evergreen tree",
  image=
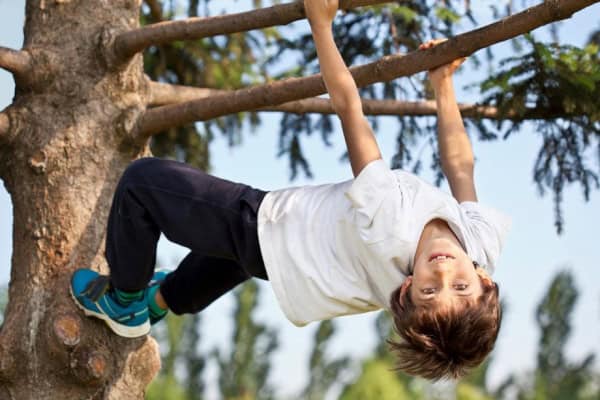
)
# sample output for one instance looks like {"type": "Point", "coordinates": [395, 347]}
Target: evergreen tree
{"type": "Point", "coordinates": [244, 371]}
{"type": "Point", "coordinates": [323, 372]}
{"type": "Point", "coordinates": [377, 378]}
{"type": "Point", "coordinates": [179, 340]}
{"type": "Point", "coordinates": [557, 377]}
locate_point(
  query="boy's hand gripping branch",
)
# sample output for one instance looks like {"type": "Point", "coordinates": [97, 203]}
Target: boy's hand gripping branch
{"type": "Point", "coordinates": [456, 153]}
{"type": "Point", "coordinates": [360, 141]}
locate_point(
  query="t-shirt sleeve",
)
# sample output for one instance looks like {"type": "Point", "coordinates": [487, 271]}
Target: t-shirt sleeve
{"type": "Point", "coordinates": [374, 196]}
{"type": "Point", "coordinates": [489, 228]}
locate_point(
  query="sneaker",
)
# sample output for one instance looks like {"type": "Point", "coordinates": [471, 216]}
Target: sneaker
{"type": "Point", "coordinates": [157, 279]}
{"type": "Point", "coordinates": [91, 292]}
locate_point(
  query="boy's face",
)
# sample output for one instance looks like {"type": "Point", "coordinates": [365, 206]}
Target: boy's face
{"type": "Point", "coordinates": [443, 275]}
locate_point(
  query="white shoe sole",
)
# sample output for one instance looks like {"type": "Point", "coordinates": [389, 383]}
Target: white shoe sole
{"type": "Point", "coordinates": [121, 330]}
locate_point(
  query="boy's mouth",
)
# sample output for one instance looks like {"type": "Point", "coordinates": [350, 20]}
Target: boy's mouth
{"type": "Point", "coordinates": [440, 257]}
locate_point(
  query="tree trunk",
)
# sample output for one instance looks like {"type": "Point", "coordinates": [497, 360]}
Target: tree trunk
{"type": "Point", "coordinates": [67, 144]}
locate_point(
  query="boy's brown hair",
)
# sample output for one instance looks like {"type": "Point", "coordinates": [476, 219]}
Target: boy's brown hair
{"type": "Point", "coordinates": [445, 343]}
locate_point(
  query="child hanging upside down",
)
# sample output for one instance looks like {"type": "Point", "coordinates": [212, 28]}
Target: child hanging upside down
{"type": "Point", "coordinates": [385, 239]}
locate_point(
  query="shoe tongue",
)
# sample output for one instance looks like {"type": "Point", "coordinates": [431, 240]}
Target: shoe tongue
{"type": "Point", "coordinates": [97, 287]}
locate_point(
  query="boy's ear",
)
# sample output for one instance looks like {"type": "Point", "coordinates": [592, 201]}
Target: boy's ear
{"type": "Point", "coordinates": [404, 289]}
{"type": "Point", "coordinates": [486, 280]}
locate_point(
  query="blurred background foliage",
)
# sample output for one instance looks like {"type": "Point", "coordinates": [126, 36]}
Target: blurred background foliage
{"type": "Point", "coordinates": [243, 371]}
{"type": "Point", "coordinates": [552, 86]}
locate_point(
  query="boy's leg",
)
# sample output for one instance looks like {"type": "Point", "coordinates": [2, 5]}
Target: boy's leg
{"type": "Point", "coordinates": [198, 281]}
{"type": "Point", "coordinates": [211, 216]}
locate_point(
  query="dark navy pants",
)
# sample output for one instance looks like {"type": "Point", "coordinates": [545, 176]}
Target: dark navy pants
{"type": "Point", "coordinates": [214, 218]}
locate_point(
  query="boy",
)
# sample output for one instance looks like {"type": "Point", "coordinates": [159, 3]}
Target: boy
{"type": "Point", "coordinates": [385, 239]}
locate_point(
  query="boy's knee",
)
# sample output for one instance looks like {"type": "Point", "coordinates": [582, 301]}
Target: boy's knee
{"type": "Point", "coordinates": [139, 170]}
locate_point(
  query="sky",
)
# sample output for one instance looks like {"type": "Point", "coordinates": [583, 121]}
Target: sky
{"type": "Point", "coordinates": [533, 253]}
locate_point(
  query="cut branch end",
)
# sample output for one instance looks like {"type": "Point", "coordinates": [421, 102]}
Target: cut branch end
{"type": "Point", "coordinates": [90, 367]}
{"type": "Point", "coordinates": [17, 62]}
{"type": "Point", "coordinates": [67, 329]}
{"type": "Point", "coordinates": [4, 124]}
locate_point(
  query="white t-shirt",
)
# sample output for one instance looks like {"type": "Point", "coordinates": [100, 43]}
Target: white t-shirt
{"type": "Point", "coordinates": [340, 249]}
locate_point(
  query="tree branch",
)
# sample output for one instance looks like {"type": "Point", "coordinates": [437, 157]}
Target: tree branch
{"type": "Point", "coordinates": [4, 124]}
{"type": "Point", "coordinates": [17, 62]}
{"type": "Point", "coordinates": [164, 94]}
{"type": "Point", "coordinates": [385, 69]}
{"type": "Point", "coordinates": [155, 9]}
{"type": "Point", "coordinates": [127, 44]}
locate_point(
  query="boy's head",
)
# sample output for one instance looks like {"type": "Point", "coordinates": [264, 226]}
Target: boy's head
{"type": "Point", "coordinates": [447, 313]}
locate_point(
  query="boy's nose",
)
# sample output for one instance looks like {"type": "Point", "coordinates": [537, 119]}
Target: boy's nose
{"type": "Point", "coordinates": [442, 268]}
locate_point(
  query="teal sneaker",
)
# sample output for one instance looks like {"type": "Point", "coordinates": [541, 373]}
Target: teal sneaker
{"type": "Point", "coordinates": [91, 292]}
{"type": "Point", "coordinates": [155, 313]}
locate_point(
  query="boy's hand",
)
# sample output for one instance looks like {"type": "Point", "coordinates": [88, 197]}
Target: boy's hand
{"type": "Point", "coordinates": [320, 12]}
{"type": "Point", "coordinates": [439, 75]}
{"type": "Point", "coordinates": [456, 154]}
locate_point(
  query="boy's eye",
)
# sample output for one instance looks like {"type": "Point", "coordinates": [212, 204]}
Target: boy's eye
{"type": "Point", "coordinates": [428, 291]}
{"type": "Point", "coordinates": [461, 286]}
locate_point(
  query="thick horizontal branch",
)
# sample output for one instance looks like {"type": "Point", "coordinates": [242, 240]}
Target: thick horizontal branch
{"type": "Point", "coordinates": [158, 119]}
{"type": "Point", "coordinates": [17, 62]}
{"type": "Point", "coordinates": [163, 94]}
{"type": "Point", "coordinates": [127, 44]}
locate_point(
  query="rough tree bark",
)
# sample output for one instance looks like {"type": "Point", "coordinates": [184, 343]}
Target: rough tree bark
{"type": "Point", "coordinates": [65, 144]}
{"type": "Point", "coordinates": [78, 118]}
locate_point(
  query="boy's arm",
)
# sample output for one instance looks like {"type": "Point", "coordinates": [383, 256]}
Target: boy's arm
{"type": "Point", "coordinates": [360, 141]}
{"type": "Point", "coordinates": [456, 153]}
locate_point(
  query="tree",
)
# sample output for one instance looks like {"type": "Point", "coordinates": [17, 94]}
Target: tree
{"type": "Point", "coordinates": [556, 376]}
{"type": "Point", "coordinates": [180, 337]}
{"type": "Point", "coordinates": [323, 372]}
{"type": "Point", "coordinates": [377, 378]}
{"type": "Point", "coordinates": [83, 109]}
{"type": "Point", "coordinates": [243, 373]}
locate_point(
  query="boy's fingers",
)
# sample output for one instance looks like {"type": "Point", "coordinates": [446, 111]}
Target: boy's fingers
{"type": "Point", "coordinates": [431, 43]}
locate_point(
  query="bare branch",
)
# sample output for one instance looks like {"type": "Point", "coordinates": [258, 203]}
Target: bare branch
{"type": "Point", "coordinates": [155, 9]}
{"type": "Point", "coordinates": [17, 62]}
{"type": "Point", "coordinates": [4, 124]}
{"type": "Point", "coordinates": [164, 93]}
{"type": "Point", "coordinates": [385, 69]}
{"type": "Point", "coordinates": [127, 44]}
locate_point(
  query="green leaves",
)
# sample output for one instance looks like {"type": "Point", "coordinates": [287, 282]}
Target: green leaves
{"type": "Point", "coordinates": [556, 376]}
{"type": "Point", "coordinates": [559, 87]}
{"type": "Point", "coordinates": [377, 381]}
{"type": "Point", "coordinates": [447, 15]}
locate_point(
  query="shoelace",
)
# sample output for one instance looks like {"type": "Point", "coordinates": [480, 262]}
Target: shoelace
{"type": "Point", "coordinates": [97, 287]}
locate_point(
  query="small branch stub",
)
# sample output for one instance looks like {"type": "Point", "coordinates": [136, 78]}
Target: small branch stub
{"type": "Point", "coordinates": [67, 329]}
{"type": "Point", "coordinates": [17, 62]}
{"type": "Point", "coordinates": [4, 125]}
{"type": "Point", "coordinates": [90, 367]}
{"type": "Point", "coordinates": [37, 162]}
